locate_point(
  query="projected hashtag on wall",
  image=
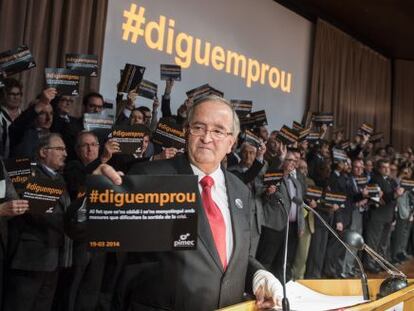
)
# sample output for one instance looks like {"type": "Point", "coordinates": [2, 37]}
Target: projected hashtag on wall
{"type": "Point", "coordinates": [183, 45]}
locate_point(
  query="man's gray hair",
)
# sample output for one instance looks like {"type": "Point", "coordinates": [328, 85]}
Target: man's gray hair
{"type": "Point", "coordinates": [214, 98]}
{"type": "Point", "coordinates": [44, 142]}
{"type": "Point", "coordinates": [82, 134]}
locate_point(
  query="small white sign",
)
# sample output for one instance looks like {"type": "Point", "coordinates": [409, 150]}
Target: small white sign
{"type": "Point", "coordinates": [399, 307]}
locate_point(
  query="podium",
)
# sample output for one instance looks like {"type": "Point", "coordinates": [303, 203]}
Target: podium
{"type": "Point", "coordinates": [350, 287]}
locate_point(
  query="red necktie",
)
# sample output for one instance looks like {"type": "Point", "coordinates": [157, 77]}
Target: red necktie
{"type": "Point", "coordinates": [215, 219]}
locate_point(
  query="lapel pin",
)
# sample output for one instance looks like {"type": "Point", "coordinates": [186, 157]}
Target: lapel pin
{"type": "Point", "coordinates": [239, 203]}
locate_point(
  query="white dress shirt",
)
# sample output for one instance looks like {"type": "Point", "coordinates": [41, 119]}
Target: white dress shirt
{"type": "Point", "coordinates": [219, 195]}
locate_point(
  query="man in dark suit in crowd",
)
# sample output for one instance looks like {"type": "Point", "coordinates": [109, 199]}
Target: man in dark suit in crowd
{"type": "Point", "coordinates": [378, 227]}
{"type": "Point", "coordinates": [31, 125]}
{"type": "Point", "coordinates": [271, 245]}
{"type": "Point", "coordinates": [359, 198]}
{"type": "Point", "coordinates": [39, 247]}
{"type": "Point", "coordinates": [317, 159]}
{"type": "Point", "coordinates": [335, 252]}
{"type": "Point", "coordinates": [215, 274]}
{"type": "Point", "coordinates": [10, 206]}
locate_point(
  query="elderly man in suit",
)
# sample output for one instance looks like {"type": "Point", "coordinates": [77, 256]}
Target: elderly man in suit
{"type": "Point", "coordinates": [221, 269]}
{"type": "Point", "coordinates": [10, 206]}
{"type": "Point", "coordinates": [40, 248]}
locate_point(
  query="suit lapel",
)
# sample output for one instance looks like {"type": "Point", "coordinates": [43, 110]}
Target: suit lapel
{"type": "Point", "coordinates": [298, 187]}
{"type": "Point", "coordinates": [236, 218]}
{"type": "Point", "coordinates": [183, 167]}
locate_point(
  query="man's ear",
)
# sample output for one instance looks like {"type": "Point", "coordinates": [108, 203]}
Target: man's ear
{"type": "Point", "coordinates": [231, 143]}
{"type": "Point", "coordinates": [42, 153]}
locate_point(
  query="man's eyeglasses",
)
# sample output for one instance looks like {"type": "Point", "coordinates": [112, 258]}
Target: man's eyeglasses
{"type": "Point", "coordinates": [14, 94]}
{"type": "Point", "coordinates": [96, 107]}
{"type": "Point", "coordinates": [199, 130]}
{"type": "Point", "coordinates": [89, 145]}
{"type": "Point", "coordinates": [58, 148]}
{"type": "Point", "coordinates": [67, 100]}
{"type": "Point", "coordinates": [291, 160]}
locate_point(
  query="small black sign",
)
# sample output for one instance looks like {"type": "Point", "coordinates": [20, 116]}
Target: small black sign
{"type": "Point", "coordinates": [42, 194]}
{"type": "Point", "coordinates": [84, 64]}
{"type": "Point", "coordinates": [16, 60]}
{"type": "Point", "coordinates": [170, 72]}
{"type": "Point", "coordinates": [147, 89]}
{"type": "Point", "coordinates": [65, 81]}
{"type": "Point", "coordinates": [169, 134]}
{"type": "Point", "coordinates": [162, 210]}
{"type": "Point", "coordinates": [129, 137]}
{"type": "Point", "coordinates": [131, 77]}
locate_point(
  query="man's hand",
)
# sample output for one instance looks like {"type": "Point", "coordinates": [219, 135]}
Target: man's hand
{"type": "Point", "coordinates": [362, 203]}
{"type": "Point", "coordinates": [313, 204]}
{"type": "Point", "coordinates": [167, 153]}
{"type": "Point", "coordinates": [282, 151]}
{"type": "Point", "coordinates": [271, 189]}
{"type": "Point", "coordinates": [365, 139]}
{"type": "Point", "coordinates": [132, 96]}
{"type": "Point", "coordinates": [108, 171]}
{"type": "Point", "coordinates": [399, 191]}
{"type": "Point", "coordinates": [267, 290]}
{"type": "Point", "coordinates": [14, 208]}
{"type": "Point", "coordinates": [111, 147]}
{"type": "Point", "coordinates": [47, 95]}
{"type": "Point", "coordinates": [334, 207]}
{"type": "Point", "coordinates": [155, 104]}
{"type": "Point", "coordinates": [261, 151]}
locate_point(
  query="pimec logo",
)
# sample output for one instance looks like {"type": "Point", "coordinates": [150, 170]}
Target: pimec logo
{"type": "Point", "coordinates": [183, 241]}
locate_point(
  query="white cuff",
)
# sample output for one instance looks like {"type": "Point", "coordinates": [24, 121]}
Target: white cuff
{"type": "Point", "coordinates": [271, 285]}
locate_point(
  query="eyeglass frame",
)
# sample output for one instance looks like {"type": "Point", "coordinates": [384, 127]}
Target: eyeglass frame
{"type": "Point", "coordinates": [14, 94]}
{"type": "Point", "coordinates": [204, 131]}
{"type": "Point", "coordinates": [88, 145]}
{"type": "Point", "coordinates": [67, 100]}
{"type": "Point", "coordinates": [58, 148]}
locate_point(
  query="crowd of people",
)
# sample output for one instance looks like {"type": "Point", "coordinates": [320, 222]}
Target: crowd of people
{"type": "Point", "coordinates": [47, 266]}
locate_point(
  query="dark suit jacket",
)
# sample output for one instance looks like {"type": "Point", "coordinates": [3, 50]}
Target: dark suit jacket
{"type": "Point", "coordinates": [276, 208]}
{"type": "Point", "coordinates": [36, 239]}
{"type": "Point", "coordinates": [385, 212]}
{"type": "Point", "coordinates": [195, 280]}
{"type": "Point", "coordinates": [7, 193]}
{"type": "Point", "coordinates": [275, 213]}
{"type": "Point", "coordinates": [342, 184]}
{"type": "Point", "coordinates": [316, 165]}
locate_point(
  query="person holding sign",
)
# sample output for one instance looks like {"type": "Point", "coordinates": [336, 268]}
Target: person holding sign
{"type": "Point", "coordinates": [214, 274]}
{"type": "Point", "coordinates": [10, 206]}
{"type": "Point", "coordinates": [31, 125]}
{"type": "Point", "coordinates": [10, 109]}
{"type": "Point", "coordinates": [41, 249]}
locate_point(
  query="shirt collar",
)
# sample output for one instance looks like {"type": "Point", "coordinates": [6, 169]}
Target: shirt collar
{"type": "Point", "coordinates": [50, 170]}
{"type": "Point", "coordinates": [217, 174]}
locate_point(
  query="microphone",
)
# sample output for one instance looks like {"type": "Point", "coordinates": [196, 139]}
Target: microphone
{"type": "Point", "coordinates": [396, 281]}
{"type": "Point", "coordinates": [285, 301]}
{"type": "Point", "coordinates": [364, 279]}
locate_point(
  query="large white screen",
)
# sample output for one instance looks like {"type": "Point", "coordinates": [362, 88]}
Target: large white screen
{"type": "Point", "coordinates": [259, 50]}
